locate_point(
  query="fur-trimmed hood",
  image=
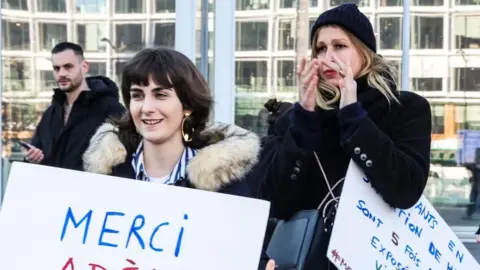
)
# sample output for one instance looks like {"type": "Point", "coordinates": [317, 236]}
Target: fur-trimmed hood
{"type": "Point", "coordinates": [226, 159]}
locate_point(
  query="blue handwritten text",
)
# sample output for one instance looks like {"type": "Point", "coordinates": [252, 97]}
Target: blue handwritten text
{"type": "Point", "coordinates": [388, 254]}
{"type": "Point", "coordinates": [427, 215]}
{"type": "Point", "coordinates": [415, 229]}
{"type": "Point", "coordinates": [108, 231]}
{"type": "Point", "coordinates": [361, 205]}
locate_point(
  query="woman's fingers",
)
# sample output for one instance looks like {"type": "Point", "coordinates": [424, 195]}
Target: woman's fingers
{"type": "Point", "coordinates": [301, 67]}
{"type": "Point", "coordinates": [312, 72]}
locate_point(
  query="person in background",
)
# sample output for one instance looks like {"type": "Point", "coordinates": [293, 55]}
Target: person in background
{"type": "Point", "coordinates": [79, 106]}
{"type": "Point", "coordinates": [474, 192]}
{"type": "Point", "coordinates": [165, 138]}
{"type": "Point", "coordinates": [477, 236]}
{"type": "Point", "coordinates": [276, 109]}
{"type": "Point", "coordinates": [349, 108]}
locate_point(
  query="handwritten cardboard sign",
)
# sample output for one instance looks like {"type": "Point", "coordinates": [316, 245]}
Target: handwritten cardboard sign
{"type": "Point", "coordinates": [368, 234]}
{"type": "Point", "coordinates": [61, 219]}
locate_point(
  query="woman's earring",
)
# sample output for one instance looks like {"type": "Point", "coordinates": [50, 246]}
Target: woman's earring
{"type": "Point", "coordinates": [187, 128]}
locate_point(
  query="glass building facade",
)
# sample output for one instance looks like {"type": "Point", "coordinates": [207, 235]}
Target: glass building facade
{"type": "Point", "coordinates": [444, 61]}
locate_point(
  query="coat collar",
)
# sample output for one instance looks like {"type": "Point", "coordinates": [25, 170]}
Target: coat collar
{"type": "Point", "coordinates": [228, 158]}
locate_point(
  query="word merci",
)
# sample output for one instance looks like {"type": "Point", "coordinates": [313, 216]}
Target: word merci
{"type": "Point", "coordinates": [134, 233]}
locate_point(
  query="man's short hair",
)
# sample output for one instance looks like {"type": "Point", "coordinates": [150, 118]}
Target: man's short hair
{"type": "Point", "coordinates": [63, 46]}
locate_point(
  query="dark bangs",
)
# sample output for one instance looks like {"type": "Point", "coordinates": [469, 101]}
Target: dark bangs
{"type": "Point", "coordinates": [147, 63]}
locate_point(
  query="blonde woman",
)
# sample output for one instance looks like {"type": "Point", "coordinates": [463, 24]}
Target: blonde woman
{"type": "Point", "coordinates": [349, 108]}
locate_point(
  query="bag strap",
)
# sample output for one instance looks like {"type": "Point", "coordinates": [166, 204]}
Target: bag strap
{"type": "Point", "coordinates": [330, 189]}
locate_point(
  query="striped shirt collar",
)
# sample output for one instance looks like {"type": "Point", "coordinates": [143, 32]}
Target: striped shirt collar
{"type": "Point", "coordinates": [178, 172]}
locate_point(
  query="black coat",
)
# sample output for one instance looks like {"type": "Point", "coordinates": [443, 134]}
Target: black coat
{"type": "Point", "coordinates": [391, 144]}
{"type": "Point", "coordinates": [63, 145]}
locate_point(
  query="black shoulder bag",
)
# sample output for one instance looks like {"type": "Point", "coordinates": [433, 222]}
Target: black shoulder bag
{"type": "Point", "coordinates": [301, 243]}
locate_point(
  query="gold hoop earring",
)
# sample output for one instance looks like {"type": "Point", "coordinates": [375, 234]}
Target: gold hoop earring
{"type": "Point", "coordinates": [186, 123]}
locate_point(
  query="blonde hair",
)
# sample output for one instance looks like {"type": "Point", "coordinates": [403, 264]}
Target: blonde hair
{"type": "Point", "coordinates": [381, 75]}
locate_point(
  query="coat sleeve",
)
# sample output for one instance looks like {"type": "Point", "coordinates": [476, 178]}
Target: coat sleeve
{"type": "Point", "coordinates": [396, 164]}
{"type": "Point", "coordinates": [283, 162]}
{"type": "Point", "coordinates": [37, 140]}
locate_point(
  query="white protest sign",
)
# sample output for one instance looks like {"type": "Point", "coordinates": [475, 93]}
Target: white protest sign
{"type": "Point", "coordinates": [60, 219]}
{"type": "Point", "coordinates": [368, 234]}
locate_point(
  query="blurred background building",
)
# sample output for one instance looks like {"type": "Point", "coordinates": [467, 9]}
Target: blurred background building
{"type": "Point", "coordinates": [444, 60]}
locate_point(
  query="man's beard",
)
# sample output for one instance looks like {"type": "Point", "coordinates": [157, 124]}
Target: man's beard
{"type": "Point", "coordinates": [71, 88]}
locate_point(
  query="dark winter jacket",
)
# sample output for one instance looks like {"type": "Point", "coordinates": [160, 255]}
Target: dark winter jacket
{"type": "Point", "coordinates": [391, 144]}
{"type": "Point", "coordinates": [63, 145]}
{"type": "Point", "coordinates": [222, 166]}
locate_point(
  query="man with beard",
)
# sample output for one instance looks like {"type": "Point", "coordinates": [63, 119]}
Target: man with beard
{"type": "Point", "coordinates": [79, 106]}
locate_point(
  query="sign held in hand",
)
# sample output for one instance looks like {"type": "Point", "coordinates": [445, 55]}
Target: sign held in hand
{"type": "Point", "coordinates": [387, 238]}
{"type": "Point", "coordinates": [61, 219]}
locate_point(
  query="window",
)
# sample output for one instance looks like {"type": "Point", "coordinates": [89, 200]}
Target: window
{"type": "Point", "coordinates": [293, 3]}
{"type": "Point", "coordinates": [252, 36]}
{"type": "Point", "coordinates": [438, 116]}
{"type": "Point", "coordinates": [50, 34]}
{"type": "Point", "coordinates": [96, 68]}
{"type": "Point", "coordinates": [360, 3]}
{"type": "Point", "coordinates": [89, 37]}
{"type": "Point", "coordinates": [47, 81]}
{"type": "Point", "coordinates": [390, 33]}
{"type": "Point", "coordinates": [467, 79]}
{"type": "Point", "coordinates": [90, 6]}
{"type": "Point", "coordinates": [51, 6]}
{"type": "Point", "coordinates": [286, 76]}
{"type": "Point", "coordinates": [250, 114]}
{"type": "Point", "coordinates": [211, 40]}
{"type": "Point", "coordinates": [21, 117]}
{"type": "Point", "coordinates": [16, 74]}
{"type": "Point", "coordinates": [427, 84]}
{"type": "Point", "coordinates": [252, 4]}
{"type": "Point", "coordinates": [467, 2]}
{"type": "Point", "coordinates": [209, 67]}
{"type": "Point", "coordinates": [434, 3]}
{"type": "Point", "coordinates": [467, 116]}
{"type": "Point", "coordinates": [467, 32]}
{"type": "Point", "coordinates": [129, 6]}
{"type": "Point", "coordinates": [15, 36]}
{"type": "Point", "coordinates": [165, 6]}
{"type": "Point", "coordinates": [129, 37]}
{"type": "Point", "coordinates": [397, 64]}
{"type": "Point", "coordinates": [286, 35]}
{"type": "Point", "coordinates": [119, 65]}
{"type": "Point", "coordinates": [311, 22]}
{"type": "Point", "coordinates": [164, 35]}
{"type": "Point", "coordinates": [15, 4]}
{"type": "Point", "coordinates": [251, 76]}
{"type": "Point", "coordinates": [427, 32]}
{"type": "Point", "coordinates": [390, 3]}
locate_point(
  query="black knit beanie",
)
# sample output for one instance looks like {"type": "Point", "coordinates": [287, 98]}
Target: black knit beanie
{"type": "Point", "coordinates": [349, 17]}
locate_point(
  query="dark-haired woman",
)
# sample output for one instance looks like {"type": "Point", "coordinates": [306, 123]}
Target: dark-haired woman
{"type": "Point", "coordinates": [164, 138]}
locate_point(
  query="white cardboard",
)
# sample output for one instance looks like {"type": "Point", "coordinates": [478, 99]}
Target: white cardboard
{"type": "Point", "coordinates": [221, 232]}
{"type": "Point", "coordinates": [368, 234]}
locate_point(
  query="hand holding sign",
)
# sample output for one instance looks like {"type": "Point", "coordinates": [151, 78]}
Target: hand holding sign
{"type": "Point", "coordinates": [270, 265]}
